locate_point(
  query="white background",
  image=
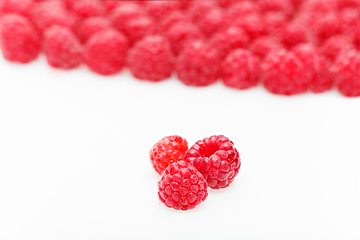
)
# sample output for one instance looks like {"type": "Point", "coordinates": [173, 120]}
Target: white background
{"type": "Point", "coordinates": [74, 159]}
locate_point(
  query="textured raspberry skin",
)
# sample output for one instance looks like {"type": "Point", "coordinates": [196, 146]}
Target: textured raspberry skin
{"type": "Point", "coordinates": [105, 52]}
{"type": "Point", "coordinates": [198, 65]}
{"type": "Point", "coordinates": [216, 159]}
{"type": "Point", "coordinates": [229, 39]}
{"type": "Point", "coordinates": [88, 8]}
{"type": "Point", "coordinates": [213, 21]}
{"type": "Point", "coordinates": [326, 27]}
{"type": "Point", "coordinates": [124, 13]}
{"type": "Point", "coordinates": [62, 48]}
{"type": "Point", "coordinates": [253, 25]}
{"type": "Point", "coordinates": [21, 7]}
{"type": "Point", "coordinates": [282, 73]}
{"type": "Point", "coordinates": [347, 74]}
{"type": "Point", "coordinates": [275, 22]}
{"type": "Point", "coordinates": [160, 9]}
{"type": "Point", "coordinates": [140, 27]}
{"type": "Point", "coordinates": [169, 20]}
{"type": "Point", "coordinates": [18, 40]}
{"type": "Point", "coordinates": [240, 69]}
{"type": "Point", "coordinates": [333, 46]}
{"type": "Point", "coordinates": [350, 19]}
{"type": "Point", "coordinates": [262, 46]}
{"type": "Point", "coordinates": [293, 34]}
{"type": "Point", "coordinates": [315, 68]}
{"type": "Point", "coordinates": [181, 33]}
{"type": "Point", "coordinates": [90, 26]}
{"type": "Point", "coordinates": [284, 6]}
{"type": "Point", "coordinates": [243, 8]}
{"type": "Point", "coordinates": [182, 187]}
{"type": "Point", "coordinates": [197, 9]}
{"type": "Point", "coordinates": [167, 151]}
{"type": "Point", "coordinates": [151, 59]}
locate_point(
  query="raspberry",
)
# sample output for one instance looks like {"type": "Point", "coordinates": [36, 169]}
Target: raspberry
{"type": "Point", "coordinates": [350, 19]}
{"type": "Point", "coordinates": [18, 40]}
{"type": "Point", "coordinates": [243, 8]}
{"type": "Point", "coordinates": [216, 159]}
{"type": "Point", "coordinates": [319, 6]}
{"type": "Point", "coordinates": [62, 48]}
{"type": "Point", "coordinates": [111, 5]}
{"type": "Point", "coordinates": [139, 28]}
{"type": "Point", "coordinates": [293, 34]}
{"type": "Point", "coordinates": [262, 46]}
{"type": "Point", "coordinates": [326, 27]}
{"type": "Point", "coordinates": [335, 45]}
{"type": "Point", "coordinates": [121, 15]}
{"type": "Point", "coordinates": [167, 151]}
{"type": "Point", "coordinates": [240, 69]}
{"type": "Point", "coordinates": [90, 26]}
{"type": "Point", "coordinates": [226, 3]}
{"type": "Point", "coordinates": [282, 73]}
{"type": "Point", "coordinates": [213, 21]}
{"type": "Point", "coordinates": [105, 52]}
{"type": "Point", "coordinates": [88, 8]}
{"type": "Point", "coordinates": [182, 187]}
{"type": "Point", "coordinates": [347, 74]}
{"type": "Point", "coordinates": [169, 20]}
{"type": "Point", "coordinates": [274, 22]}
{"type": "Point", "coordinates": [197, 9]}
{"type": "Point", "coordinates": [283, 6]}
{"type": "Point", "coordinates": [198, 65]}
{"type": "Point", "coordinates": [160, 9]}
{"type": "Point", "coordinates": [229, 39]}
{"type": "Point", "coordinates": [253, 25]}
{"type": "Point", "coordinates": [21, 7]}
{"type": "Point", "coordinates": [315, 68]}
{"type": "Point", "coordinates": [180, 34]}
{"type": "Point", "coordinates": [151, 59]}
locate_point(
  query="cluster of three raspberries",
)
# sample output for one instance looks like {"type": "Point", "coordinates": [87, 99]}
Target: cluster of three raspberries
{"type": "Point", "coordinates": [187, 173]}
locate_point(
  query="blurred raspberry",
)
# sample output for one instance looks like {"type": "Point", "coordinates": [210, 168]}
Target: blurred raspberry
{"type": "Point", "coordinates": [242, 8]}
{"type": "Point", "coordinates": [213, 21]}
{"type": "Point", "coordinates": [253, 25]}
{"type": "Point", "coordinates": [151, 59]}
{"type": "Point", "coordinates": [105, 52]}
{"type": "Point", "coordinates": [275, 22]}
{"type": "Point", "coordinates": [88, 8]}
{"type": "Point", "coordinates": [333, 47]}
{"type": "Point", "coordinates": [90, 26]}
{"type": "Point", "coordinates": [18, 40]}
{"type": "Point", "coordinates": [21, 7]}
{"type": "Point", "coordinates": [160, 9]}
{"type": "Point", "coordinates": [284, 6]}
{"type": "Point", "coordinates": [62, 48]}
{"type": "Point", "coordinates": [198, 64]}
{"type": "Point", "coordinates": [282, 73]}
{"type": "Point", "coordinates": [229, 39]}
{"type": "Point", "coordinates": [167, 151]}
{"type": "Point", "coordinates": [326, 27]}
{"type": "Point", "coordinates": [240, 69]}
{"type": "Point", "coordinates": [350, 19]}
{"type": "Point", "coordinates": [347, 74]}
{"type": "Point", "coordinates": [124, 13]}
{"type": "Point", "coordinates": [140, 27]}
{"type": "Point", "coordinates": [226, 3]}
{"type": "Point", "coordinates": [320, 6]}
{"type": "Point", "coordinates": [315, 68]}
{"type": "Point", "coordinates": [197, 9]}
{"type": "Point", "coordinates": [293, 34]}
{"type": "Point", "coordinates": [262, 46]}
{"type": "Point", "coordinates": [171, 19]}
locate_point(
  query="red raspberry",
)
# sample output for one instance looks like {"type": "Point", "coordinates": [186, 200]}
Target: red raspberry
{"type": "Point", "coordinates": [160, 9]}
{"type": "Point", "coordinates": [180, 34]}
{"type": "Point", "coordinates": [197, 9]}
{"type": "Point", "coordinates": [226, 3]}
{"type": "Point", "coordinates": [240, 69]}
{"type": "Point", "coordinates": [253, 25]}
{"type": "Point", "coordinates": [348, 4]}
{"type": "Point", "coordinates": [350, 19]}
{"type": "Point", "coordinates": [18, 40]}
{"type": "Point", "coordinates": [356, 37]}
{"type": "Point", "coordinates": [123, 14]}
{"type": "Point", "coordinates": [105, 52]}
{"type": "Point", "coordinates": [216, 159]}
{"type": "Point", "coordinates": [90, 26]}
{"type": "Point", "coordinates": [284, 6]}
{"type": "Point", "coordinates": [315, 68]}
{"type": "Point", "coordinates": [111, 5]}
{"type": "Point", "coordinates": [198, 65]}
{"type": "Point", "coordinates": [326, 27]}
{"type": "Point", "coordinates": [151, 59]}
{"type": "Point", "coordinates": [182, 187]}
{"type": "Point", "coordinates": [167, 151]}
{"type": "Point", "coordinates": [275, 22]}
{"type": "Point", "coordinates": [347, 74]}
{"type": "Point", "coordinates": [282, 73]}
{"type": "Point", "coordinates": [169, 20]}
{"type": "Point", "coordinates": [88, 8]}
{"type": "Point", "coordinates": [21, 7]}
{"type": "Point", "coordinates": [139, 28]}
{"type": "Point", "coordinates": [262, 46]}
{"type": "Point", "coordinates": [62, 48]}
{"type": "Point", "coordinates": [293, 34]}
{"type": "Point", "coordinates": [213, 21]}
{"type": "Point", "coordinates": [229, 39]}
{"type": "Point", "coordinates": [243, 8]}
{"type": "Point", "coordinates": [332, 47]}
{"type": "Point", "coordinates": [319, 6]}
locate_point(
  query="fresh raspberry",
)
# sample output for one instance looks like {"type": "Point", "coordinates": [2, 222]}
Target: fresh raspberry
{"type": "Point", "coordinates": [21, 7]}
{"type": "Point", "coordinates": [151, 59]}
{"type": "Point", "coordinates": [88, 8]}
{"type": "Point", "coordinates": [356, 37]}
{"type": "Point", "coordinates": [243, 8]}
{"type": "Point", "coordinates": [347, 74]}
{"type": "Point", "coordinates": [315, 68]}
{"type": "Point", "coordinates": [350, 19]}
{"type": "Point", "coordinates": [283, 6]}
{"type": "Point", "coordinates": [198, 65]}
{"type": "Point", "coordinates": [282, 73]}
{"type": "Point", "coordinates": [123, 14]}
{"type": "Point", "coordinates": [139, 28]}
{"type": "Point", "coordinates": [62, 48]}
{"type": "Point", "coordinates": [111, 5]}
{"type": "Point", "coordinates": [332, 47]}
{"type": "Point", "coordinates": [229, 39]}
{"type": "Point", "coordinates": [181, 33]}
{"type": "Point", "coordinates": [240, 69]}
{"type": "Point", "coordinates": [18, 40]}
{"type": "Point", "coordinates": [326, 27]}
{"type": "Point", "coordinates": [213, 21]}
{"type": "Point", "coordinates": [182, 187]}
{"type": "Point", "coordinates": [275, 22]}
{"type": "Point", "coordinates": [226, 3]}
{"type": "Point", "coordinates": [167, 151]}
{"type": "Point", "coordinates": [160, 9]}
{"type": "Point", "coordinates": [216, 159]}
{"type": "Point", "coordinates": [105, 52]}
{"type": "Point", "coordinates": [197, 9]}
{"type": "Point", "coordinates": [169, 20]}
{"type": "Point", "coordinates": [262, 46]}
{"type": "Point", "coordinates": [319, 6]}
{"type": "Point", "coordinates": [90, 26]}
{"type": "Point", "coordinates": [348, 4]}
{"type": "Point", "coordinates": [253, 25]}
{"type": "Point", "coordinates": [293, 34]}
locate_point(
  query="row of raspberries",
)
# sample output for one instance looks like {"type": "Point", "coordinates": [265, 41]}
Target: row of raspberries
{"type": "Point", "coordinates": [187, 173]}
{"type": "Point", "coordinates": [290, 46]}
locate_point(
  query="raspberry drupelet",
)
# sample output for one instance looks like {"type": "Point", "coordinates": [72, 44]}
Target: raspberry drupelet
{"type": "Point", "coordinates": [167, 151]}
{"type": "Point", "coordinates": [216, 159]}
{"type": "Point", "coordinates": [140, 27]}
{"type": "Point", "coordinates": [151, 59]}
{"type": "Point", "coordinates": [88, 8]}
{"type": "Point", "coordinates": [182, 187]}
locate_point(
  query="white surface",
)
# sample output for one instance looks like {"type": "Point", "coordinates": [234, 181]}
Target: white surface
{"type": "Point", "coordinates": [74, 159]}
